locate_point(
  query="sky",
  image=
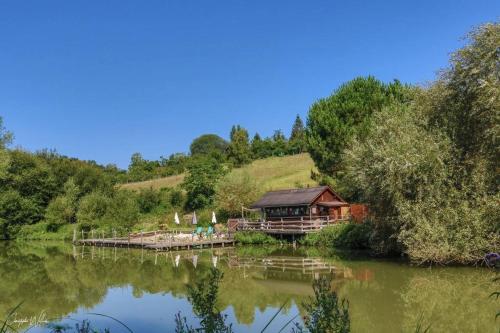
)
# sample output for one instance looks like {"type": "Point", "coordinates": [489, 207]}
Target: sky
{"type": "Point", "coordinates": [100, 80]}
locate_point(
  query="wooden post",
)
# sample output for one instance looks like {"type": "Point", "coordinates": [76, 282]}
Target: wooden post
{"type": "Point", "coordinates": [141, 239]}
{"type": "Point", "coordinates": [82, 235]}
{"type": "Point", "coordinates": [74, 235]}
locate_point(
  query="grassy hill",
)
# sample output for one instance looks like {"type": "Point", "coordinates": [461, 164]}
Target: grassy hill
{"type": "Point", "coordinates": [271, 173]}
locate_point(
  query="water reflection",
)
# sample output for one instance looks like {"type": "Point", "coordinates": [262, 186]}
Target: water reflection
{"type": "Point", "coordinates": [385, 296]}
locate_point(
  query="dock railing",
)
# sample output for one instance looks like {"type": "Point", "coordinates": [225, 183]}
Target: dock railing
{"type": "Point", "coordinates": [289, 225]}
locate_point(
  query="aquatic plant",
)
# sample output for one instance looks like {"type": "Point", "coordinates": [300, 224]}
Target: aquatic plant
{"type": "Point", "coordinates": [203, 297]}
{"type": "Point", "coordinates": [325, 312]}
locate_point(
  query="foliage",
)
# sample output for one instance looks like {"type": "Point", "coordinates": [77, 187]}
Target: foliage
{"type": "Point", "coordinates": [123, 210]}
{"type": "Point", "coordinates": [203, 297]}
{"type": "Point", "coordinates": [325, 313]}
{"type": "Point", "coordinates": [269, 173]}
{"type": "Point", "coordinates": [235, 191]}
{"type": "Point", "coordinates": [16, 210]}
{"type": "Point", "coordinates": [201, 180]}
{"type": "Point", "coordinates": [207, 144]}
{"type": "Point", "coordinates": [63, 208]}
{"type": "Point", "coordinates": [239, 148]}
{"type": "Point", "coordinates": [177, 197]}
{"type": "Point", "coordinates": [465, 102]}
{"type": "Point", "coordinates": [346, 235]}
{"type": "Point", "coordinates": [92, 208]}
{"type": "Point", "coordinates": [334, 121]}
{"type": "Point", "coordinates": [297, 143]}
{"type": "Point", "coordinates": [44, 231]}
{"type": "Point", "coordinates": [5, 139]}
{"type": "Point", "coordinates": [148, 199]}
{"type": "Point", "coordinates": [421, 196]}
{"type": "Point", "coordinates": [254, 237]}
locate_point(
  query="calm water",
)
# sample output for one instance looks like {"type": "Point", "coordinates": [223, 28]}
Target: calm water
{"type": "Point", "coordinates": [145, 289]}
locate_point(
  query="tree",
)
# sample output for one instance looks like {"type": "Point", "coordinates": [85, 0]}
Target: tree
{"type": "Point", "coordinates": [92, 208]}
{"type": "Point", "coordinates": [62, 210]}
{"type": "Point", "coordinates": [208, 144]}
{"type": "Point", "coordinates": [465, 101]}
{"type": "Point", "coordinates": [407, 172]}
{"type": "Point", "coordinates": [297, 143]}
{"type": "Point", "coordinates": [123, 210]}
{"type": "Point", "coordinates": [334, 121]}
{"type": "Point", "coordinates": [280, 143]}
{"type": "Point", "coordinates": [203, 173]}
{"type": "Point", "coordinates": [239, 152]}
{"type": "Point", "coordinates": [141, 169]}
{"type": "Point", "coordinates": [235, 191]}
{"type": "Point", "coordinates": [5, 139]}
{"type": "Point", "coordinates": [326, 313]}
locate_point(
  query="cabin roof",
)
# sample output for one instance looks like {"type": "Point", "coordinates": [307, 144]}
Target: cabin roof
{"type": "Point", "coordinates": [292, 197]}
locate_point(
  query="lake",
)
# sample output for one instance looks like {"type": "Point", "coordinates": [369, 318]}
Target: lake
{"type": "Point", "coordinates": [145, 289]}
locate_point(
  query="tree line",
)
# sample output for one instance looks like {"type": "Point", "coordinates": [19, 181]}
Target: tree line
{"type": "Point", "coordinates": [236, 152]}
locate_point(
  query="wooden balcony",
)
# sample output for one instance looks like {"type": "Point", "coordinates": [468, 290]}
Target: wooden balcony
{"type": "Point", "coordinates": [288, 225]}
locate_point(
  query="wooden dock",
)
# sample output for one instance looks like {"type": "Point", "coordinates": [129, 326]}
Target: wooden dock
{"type": "Point", "coordinates": [157, 240]}
{"type": "Point", "coordinates": [159, 245]}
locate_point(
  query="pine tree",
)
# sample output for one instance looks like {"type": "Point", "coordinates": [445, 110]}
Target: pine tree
{"type": "Point", "coordinates": [239, 148]}
{"type": "Point", "coordinates": [297, 138]}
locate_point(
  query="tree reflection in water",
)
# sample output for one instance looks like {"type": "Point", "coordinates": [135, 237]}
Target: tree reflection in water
{"type": "Point", "coordinates": [384, 295]}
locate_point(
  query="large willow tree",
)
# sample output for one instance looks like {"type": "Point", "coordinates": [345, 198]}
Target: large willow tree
{"type": "Point", "coordinates": [429, 170]}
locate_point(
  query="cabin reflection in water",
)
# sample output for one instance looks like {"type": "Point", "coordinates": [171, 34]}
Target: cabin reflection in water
{"type": "Point", "coordinates": [278, 266]}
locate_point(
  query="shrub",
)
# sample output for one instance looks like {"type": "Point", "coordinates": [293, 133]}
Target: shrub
{"type": "Point", "coordinates": [148, 200]}
{"type": "Point", "coordinates": [254, 237]}
{"type": "Point", "coordinates": [123, 211]}
{"type": "Point", "coordinates": [92, 208]}
{"type": "Point", "coordinates": [235, 191]}
{"type": "Point", "coordinates": [325, 312]}
{"type": "Point", "coordinates": [349, 236]}
{"type": "Point", "coordinates": [177, 198]}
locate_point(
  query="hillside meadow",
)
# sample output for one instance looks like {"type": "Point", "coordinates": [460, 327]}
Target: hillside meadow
{"type": "Point", "coordinates": [272, 173]}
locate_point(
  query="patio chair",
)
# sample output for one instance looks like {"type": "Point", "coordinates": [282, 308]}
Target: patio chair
{"type": "Point", "coordinates": [210, 232]}
{"type": "Point", "coordinates": [198, 232]}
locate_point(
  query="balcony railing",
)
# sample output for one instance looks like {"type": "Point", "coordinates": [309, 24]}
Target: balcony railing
{"type": "Point", "coordinates": [289, 225]}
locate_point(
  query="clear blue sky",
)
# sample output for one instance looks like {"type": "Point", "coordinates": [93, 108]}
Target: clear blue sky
{"type": "Point", "coordinates": [104, 79]}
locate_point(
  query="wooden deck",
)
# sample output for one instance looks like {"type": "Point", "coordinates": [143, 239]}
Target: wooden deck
{"type": "Point", "coordinates": [288, 226]}
{"type": "Point", "coordinates": [158, 240]}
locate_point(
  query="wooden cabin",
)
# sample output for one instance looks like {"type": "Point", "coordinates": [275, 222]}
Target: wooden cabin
{"type": "Point", "coordinates": [302, 204]}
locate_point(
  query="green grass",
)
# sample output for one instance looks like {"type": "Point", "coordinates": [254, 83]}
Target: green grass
{"type": "Point", "coordinates": [39, 231]}
{"type": "Point", "coordinates": [156, 184]}
{"type": "Point", "coordinates": [273, 173]}
{"type": "Point", "coordinates": [254, 237]}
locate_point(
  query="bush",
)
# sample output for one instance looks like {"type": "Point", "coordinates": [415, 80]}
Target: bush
{"type": "Point", "coordinates": [148, 200]}
{"type": "Point", "coordinates": [123, 211]}
{"type": "Point", "coordinates": [92, 208]}
{"type": "Point", "coordinates": [254, 237]}
{"type": "Point", "coordinates": [235, 191]}
{"type": "Point", "coordinates": [348, 236]}
{"type": "Point", "coordinates": [42, 231]}
{"type": "Point", "coordinates": [177, 198]}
